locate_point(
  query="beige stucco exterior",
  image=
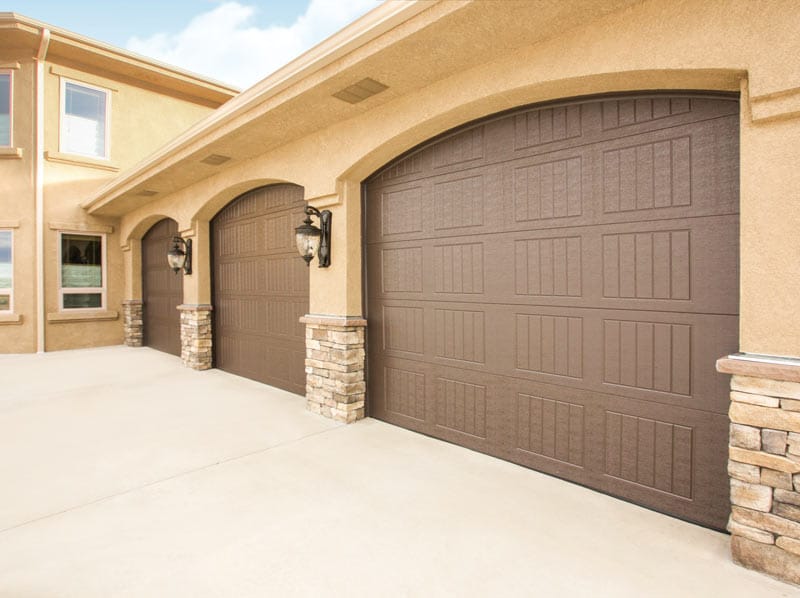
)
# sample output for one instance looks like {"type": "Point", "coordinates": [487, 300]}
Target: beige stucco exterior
{"type": "Point", "coordinates": [444, 64]}
{"type": "Point", "coordinates": [451, 62]}
{"type": "Point", "coordinates": [149, 105]}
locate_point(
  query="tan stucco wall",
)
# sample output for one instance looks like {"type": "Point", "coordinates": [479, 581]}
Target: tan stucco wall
{"type": "Point", "coordinates": [142, 120]}
{"type": "Point", "coordinates": [770, 237]}
{"type": "Point", "coordinates": [17, 209]}
{"type": "Point", "coordinates": [654, 45]}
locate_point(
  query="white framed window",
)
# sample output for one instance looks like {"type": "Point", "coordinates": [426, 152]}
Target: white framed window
{"type": "Point", "coordinates": [82, 271]}
{"type": "Point", "coordinates": [6, 137]}
{"type": "Point", "coordinates": [85, 119]}
{"type": "Point", "coordinates": [6, 270]}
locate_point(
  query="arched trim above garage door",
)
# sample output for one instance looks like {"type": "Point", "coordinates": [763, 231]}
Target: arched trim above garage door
{"type": "Point", "coordinates": [260, 287]}
{"type": "Point", "coordinates": [552, 285]}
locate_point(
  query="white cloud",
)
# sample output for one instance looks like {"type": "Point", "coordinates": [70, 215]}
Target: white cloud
{"type": "Point", "coordinates": [224, 44]}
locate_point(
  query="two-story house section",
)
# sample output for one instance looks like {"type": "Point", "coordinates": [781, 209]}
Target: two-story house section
{"type": "Point", "coordinates": [73, 113]}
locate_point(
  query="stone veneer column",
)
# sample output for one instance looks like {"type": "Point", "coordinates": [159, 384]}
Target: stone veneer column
{"type": "Point", "coordinates": [335, 385]}
{"type": "Point", "coordinates": [764, 466]}
{"type": "Point", "coordinates": [133, 322]}
{"type": "Point", "coordinates": [196, 336]}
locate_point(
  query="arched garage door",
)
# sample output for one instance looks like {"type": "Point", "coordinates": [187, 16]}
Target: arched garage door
{"type": "Point", "coordinates": [260, 288]}
{"type": "Point", "coordinates": [553, 287]}
{"type": "Point", "coordinates": [162, 289]}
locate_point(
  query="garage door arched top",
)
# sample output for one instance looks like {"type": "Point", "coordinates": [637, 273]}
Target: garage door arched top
{"type": "Point", "coordinates": [553, 286]}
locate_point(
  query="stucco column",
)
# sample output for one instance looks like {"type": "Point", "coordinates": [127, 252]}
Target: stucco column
{"type": "Point", "coordinates": [132, 307]}
{"type": "Point", "coordinates": [197, 285]}
{"type": "Point", "coordinates": [196, 331]}
{"type": "Point", "coordinates": [335, 330]}
{"type": "Point", "coordinates": [336, 290]}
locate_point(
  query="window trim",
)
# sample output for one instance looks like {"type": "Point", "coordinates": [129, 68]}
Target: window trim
{"type": "Point", "coordinates": [62, 113]}
{"type": "Point", "coordinates": [10, 74]}
{"type": "Point", "coordinates": [10, 290]}
{"type": "Point", "coordinates": [103, 291]}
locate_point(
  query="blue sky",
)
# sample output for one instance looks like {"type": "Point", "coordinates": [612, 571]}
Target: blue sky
{"type": "Point", "coordinates": [235, 41]}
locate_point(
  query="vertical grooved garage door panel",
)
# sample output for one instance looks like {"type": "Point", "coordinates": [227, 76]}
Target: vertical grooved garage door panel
{"type": "Point", "coordinates": [162, 289]}
{"type": "Point", "coordinates": [260, 288]}
{"type": "Point", "coordinates": [554, 286]}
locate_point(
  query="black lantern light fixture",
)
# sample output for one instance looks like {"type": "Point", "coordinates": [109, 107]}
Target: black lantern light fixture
{"type": "Point", "coordinates": [313, 241]}
{"type": "Point", "coordinates": [180, 256]}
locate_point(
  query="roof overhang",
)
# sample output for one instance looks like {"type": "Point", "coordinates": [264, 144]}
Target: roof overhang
{"type": "Point", "coordinates": [405, 45]}
{"type": "Point", "coordinates": [22, 34]}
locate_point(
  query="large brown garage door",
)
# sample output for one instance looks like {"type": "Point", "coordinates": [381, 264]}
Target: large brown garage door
{"type": "Point", "coordinates": [554, 286]}
{"type": "Point", "coordinates": [162, 290]}
{"type": "Point", "coordinates": [260, 288]}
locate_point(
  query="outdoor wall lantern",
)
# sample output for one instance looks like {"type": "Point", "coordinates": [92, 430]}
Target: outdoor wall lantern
{"type": "Point", "coordinates": [313, 241]}
{"type": "Point", "coordinates": [180, 257]}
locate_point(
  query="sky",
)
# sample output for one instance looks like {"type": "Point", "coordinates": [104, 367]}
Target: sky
{"type": "Point", "coordinates": [238, 42]}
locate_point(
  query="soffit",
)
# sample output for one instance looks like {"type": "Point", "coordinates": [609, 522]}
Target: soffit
{"type": "Point", "coordinates": [465, 35]}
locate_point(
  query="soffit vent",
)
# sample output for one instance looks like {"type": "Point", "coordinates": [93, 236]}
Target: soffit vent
{"type": "Point", "coordinates": [215, 159]}
{"type": "Point", "coordinates": [358, 92]}
{"type": "Point", "coordinates": [146, 193]}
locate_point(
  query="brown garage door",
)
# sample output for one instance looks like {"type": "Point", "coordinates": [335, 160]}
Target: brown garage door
{"type": "Point", "coordinates": [260, 288]}
{"type": "Point", "coordinates": [162, 290]}
{"type": "Point", "coordinates": [553, 287]}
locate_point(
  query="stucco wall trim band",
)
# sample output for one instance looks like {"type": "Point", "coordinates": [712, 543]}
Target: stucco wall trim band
{"type": "Point", "coordinates": [82, 226]}
{"type": "Point", "coordinates": [10, 153]}
{"type": "Point", "coordinates": [781, 105]}
{"type": "Point", "coordinates": [80, 161]}
{"type": "Point", "coordinates": [81, 76]}
{"type": "Point", "coordinates": [85, 316]}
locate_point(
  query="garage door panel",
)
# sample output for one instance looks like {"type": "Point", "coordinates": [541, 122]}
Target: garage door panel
{"type": "Point", "coordinates": [260, 288]}
{"type": "Point", "coordinates": [551, 427]}
{"type": "Point", "coordinates": [652, 456]}
{"type": "Point", "coordinates": [663, 358]}
{"type": "Point", "coordinates": [461, 406]}
{"type": "Point", "coordinates": [663, 266]}
{"type": "Point", "coordinates": [456, 404]}
{"type": "Point", "coordinates": [444, 206]}
{"type": "Point", "coordinates": [668, 456]}
{"type": "Point", "coordinates": [654, 356]}
{"type": "Point", "coordinates": [668, 265]}
{"type": "Point", "coordinates": [560, 282]}
{"type": "Point", "coordinates": [669, 173]}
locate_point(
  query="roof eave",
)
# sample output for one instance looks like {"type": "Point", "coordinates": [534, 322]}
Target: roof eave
{"type": "Point", "coordinates": [359, 33]}
{"type": "Point", "coordinates": [204, 85]}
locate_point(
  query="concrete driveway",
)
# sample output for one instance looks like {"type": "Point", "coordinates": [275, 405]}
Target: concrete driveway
{"type": "Point", "coordinates": [123, 473]}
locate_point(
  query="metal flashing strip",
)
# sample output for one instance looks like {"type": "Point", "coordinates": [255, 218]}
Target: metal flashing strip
{"type": "Point", "coordinates": [761, 358]}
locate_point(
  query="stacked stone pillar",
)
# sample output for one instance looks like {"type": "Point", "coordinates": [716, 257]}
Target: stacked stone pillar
{"type": "Point", "coordinates": [335, 357]}
{"type": "Point", "coordinates": [196, 345]}
{"type": "Point", "coordinates": [764, 466]}
{"type": "Point", "coordinates": [133, 323]}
